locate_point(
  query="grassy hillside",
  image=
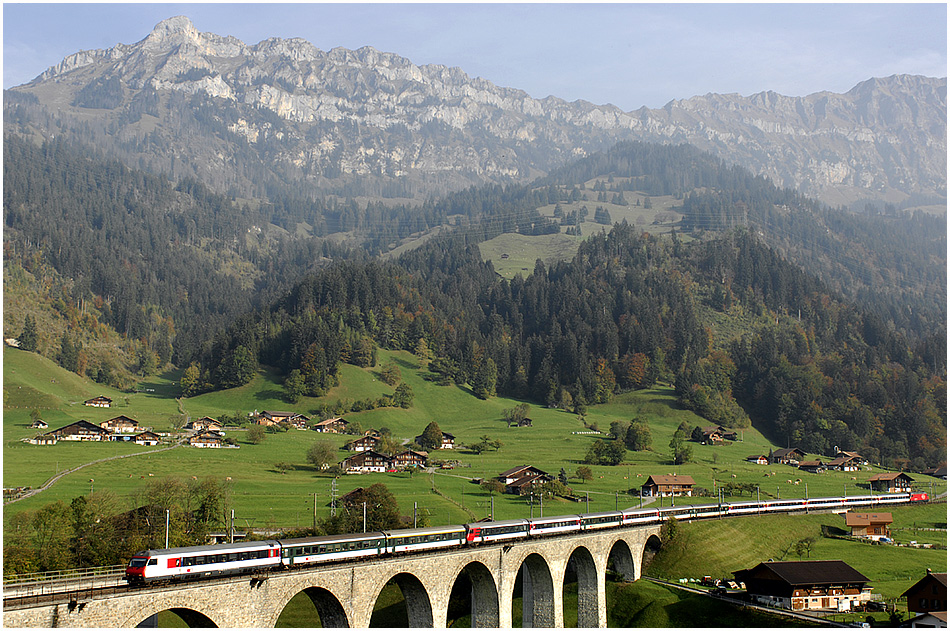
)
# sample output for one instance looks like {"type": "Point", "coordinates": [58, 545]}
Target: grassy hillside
{"type": "Point", "coordinates": [734, 544]}
{"type": "Point", "coordinates": [263, 496]}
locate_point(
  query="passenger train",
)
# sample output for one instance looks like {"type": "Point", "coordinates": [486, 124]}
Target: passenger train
{"type": "Point", "coordinates": [254, 556]}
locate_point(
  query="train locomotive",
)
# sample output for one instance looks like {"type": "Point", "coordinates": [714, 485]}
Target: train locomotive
{"type": "Point", "coordinates": [209, 561]}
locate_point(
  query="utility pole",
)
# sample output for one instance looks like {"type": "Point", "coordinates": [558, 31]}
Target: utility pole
{"type": "Point", "coordinates": [333, 498]}
{"type": "Point", "coordinates": [588, 501]}
{"type": "Point", "coordinates": [364, 516]}
{"type": "Point", "coordinates": [314, 511]}
{"type": "Point", "coordinates": [491, 507]}
{"type": "Point", "coordinates": [167, 514]}
{"type": "Point", "coordinates": [414, 507]}
{"type": "Point", "coordinates": [231, 538]}
{"type": "Point", "coordinates": [616, 500]}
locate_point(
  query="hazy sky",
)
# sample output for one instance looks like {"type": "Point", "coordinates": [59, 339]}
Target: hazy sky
{"type": "Point", "coordinates": [628, 54]}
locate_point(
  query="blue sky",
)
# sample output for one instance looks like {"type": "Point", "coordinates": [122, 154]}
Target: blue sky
{"type": "Point", "coordinates": [628, 54]}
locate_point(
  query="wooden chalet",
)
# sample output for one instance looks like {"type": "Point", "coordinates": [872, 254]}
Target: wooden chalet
{"type": "Point", "coordinates": [330, 426]}
{"type": "Point", "coordinates": [367, 461]}
{"type": "Point", "coordinates": [812, 466]}
{"type": "Point", "coordinates": [929, 620]}
{"type": "Point", "coordinates": [271, 417]}
{"type": "Point", "coordinates": [39, 424]}
{"type": "Point", "coordinates": [845, 462]}
{"type": "Point", "coordinates": [712, 436]}
{"type": "Point", "coordinates": [891, 482]}
{"type": "Point", "coordinates": [869, 525]}
{"type": "Point", "coordinates": [861, 460]}
{"type": "Point", "coordinates": [364, 443]}
{"type": "Point", "coordinates": [206, 439]}
{"type": "Point", "coordinates": [204, 423]}
{"type": "Point", "coordinates": [81, 430]}
{"type": "Point", "coordinates": [668, 485]}
{"type": "Point", "coordinates": [759, 459]}
{"type": "Point", "coordinates": [937, 472]}
{"type": "Point", "coordinates": [98, 402]}
{"type": "Point", "coordinates": [122, 425]}
{"type": "Point", "coordinates": [521, 480]}
{"type": "Point", "coordinates": [410, 458]}
{"type": "Point", "coordinates": [788, 456]}
{"type": "Point", "coordinates": [44, 439]}
{"type": "Point", "coordinates": [928, 595]}
{"type": "Point", "coordinates": [448, 440]}
{"type": "Point", "coordinates": [146, 438]}
{"type": "Point", "coordinates": [299, 421]}
{"type": "Point", "coordinates": [806, 585]}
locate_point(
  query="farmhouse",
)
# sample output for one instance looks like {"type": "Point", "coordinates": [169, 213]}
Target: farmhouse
{"type": "Point", "coordinates": [299, 421]}
{"type": "Point", "coordinates": [869, 525]}
{"type": "Point", "coordinates": [330, 426]}
{"type": "Point", "coordinates": [146, 438]}
{"type": "Point", "coordinates": [206, 439]}
{"type": "Point", "coordinates": [121, 424]}
{"type": "Point", "coordinates": [98, 402]}
{"type": "Point", "coordinates": [366, 461]}
{"type": "Point", "coordinates": [937, 472]}
{"type": "Point", "coordinates": [928, 595]}
{"type": "Point", "coordinates": [711, 436]}
{"type": "Point", "coordinates": [845, 462]}
{"type": "Point", "coordinates": [857, 457]}
{"type": "Point", "coordinates": [366, 443]}
{"type": "Point", "coordinates": [448, 440]}
{"type": "Point", "coordinates": [811, 466]}
{"type": "Point", "coordinates": [788, 456]}
{"type": "Point", "coordinates": [520, 480]}
{"type": "Point", "coordinates": [410, 458]}
{"type": "Point", "coordinates": [758, 459]}
{"type": "Point", "coordinates": [270, 417]}
{"type": "Point", "coordinates": [668, 485]}
{"type": "Point", "coordinates": [81, 430]}
{"type": "Point", "coordinates": [204, 423]}
{"type": "Point", "coordinates": [39, 424]}
{"type": "Point", "coordinates": [43, 439]}
{"type": "Point", "coordinates": [804, 585]}
{"type": "Point", "coordinates": [891, 482]}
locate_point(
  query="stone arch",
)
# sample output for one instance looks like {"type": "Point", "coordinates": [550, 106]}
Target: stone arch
{"type": "Point", "coordinates": [582, 565]}
{"type": "Point", "coordinates": [650, 547]}
{"type": "Point", "coordinates": [418, 604]}
{"type": "Point", "coordinates": [484, 594]}
{"type": "Point", "coordinates": [328, 607]}
{"type": "Point", "coordinates": [192, 617]}
{"type": "Point", "coordinates": [537, 589]}
{"type": "Point", "coordinates": [621, 558]}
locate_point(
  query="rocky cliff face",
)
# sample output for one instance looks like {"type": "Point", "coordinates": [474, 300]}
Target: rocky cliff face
{"type": "Point", "coordinates": [246, 117]}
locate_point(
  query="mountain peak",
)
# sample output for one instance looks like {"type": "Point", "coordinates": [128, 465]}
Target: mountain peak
{"type": "Point", "coordinates": [168, 29]}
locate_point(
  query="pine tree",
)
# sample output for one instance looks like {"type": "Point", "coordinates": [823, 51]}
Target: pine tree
{"type": "Point", "coordinates": [29, 338]}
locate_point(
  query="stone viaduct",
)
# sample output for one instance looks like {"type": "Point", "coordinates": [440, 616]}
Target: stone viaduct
{"type": "Point", "coordinates": [345, 594]}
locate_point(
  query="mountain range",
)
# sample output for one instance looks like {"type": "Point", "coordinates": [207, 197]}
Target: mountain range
{"type": "Point", "coordinates": [249, 120]}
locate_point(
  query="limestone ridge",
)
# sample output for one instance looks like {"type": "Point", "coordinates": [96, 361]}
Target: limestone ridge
{"type": "Point", "coordinates": [329, 117]}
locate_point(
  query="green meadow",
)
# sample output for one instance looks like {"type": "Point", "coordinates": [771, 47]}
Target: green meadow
{"type": "Point", "coordinates": [265, 497]}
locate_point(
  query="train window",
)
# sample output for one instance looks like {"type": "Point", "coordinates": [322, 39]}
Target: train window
{"type": "Point", "coordinates": [153, 561]}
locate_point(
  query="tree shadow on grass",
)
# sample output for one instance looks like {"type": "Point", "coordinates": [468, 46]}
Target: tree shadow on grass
{"type": "Point", "coordinates": [265, 395]}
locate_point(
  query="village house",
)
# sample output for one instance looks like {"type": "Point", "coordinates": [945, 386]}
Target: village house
{"type": "Point", "coordinates": [81, 430]}
{"type": "Point", "coordinates": [711, 436]}
{"type": "Point", "coordinates": [928, 596]}
{"type": "Point", "coordinates": [364, 443]}
{"type": "Point", "coordinates": [790, 456]}
{"type": "Point", "coordinates": [121, 425]}
{"type": "Point", "coordinates": [367, 461]}
{"type": "Point", "coordinates": [410, 458]}
{"type": "Point", "coordinates": [448, 440]}
{"type": "Point", "coordinates": [937, 472]}
{"type": "Point", "coordinates": [43, 439]}
{"type": "Point", "coordinates": [98, 402]}
{"type": "Point", "coordinates": [299, 421]}
{"type": "Point", "coordinates": [204, 423]}
{"type": "Point", "coordinates": [845, 462]}
{"type": "Point", "coordinates": [667, 485]}
{"type": "Point", "coordinates": [869, 525]}
{"type": "Point", "coordinates": [806, 585]}
{"type": "Point", "coordinates": [520, 480]}
{"type": "Point", "coordinates": [39, 424]}
{"type": "Point", "coordinates": [330, 426]}
{"type": "Point", "coordinates": [206, 439]}
{"type": "Point", "coordinates": [891, 482]}
{"type": "Point", "coordinates": [757, 459]}
{"type": "Point", "coordinates": [861, 460]}
{"type": "Point", "coordinates": [811, 466]}
{"type": "Point", "coordinates": [146, 438]}
{"type": "Point", "coordinates": [270, 417]}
